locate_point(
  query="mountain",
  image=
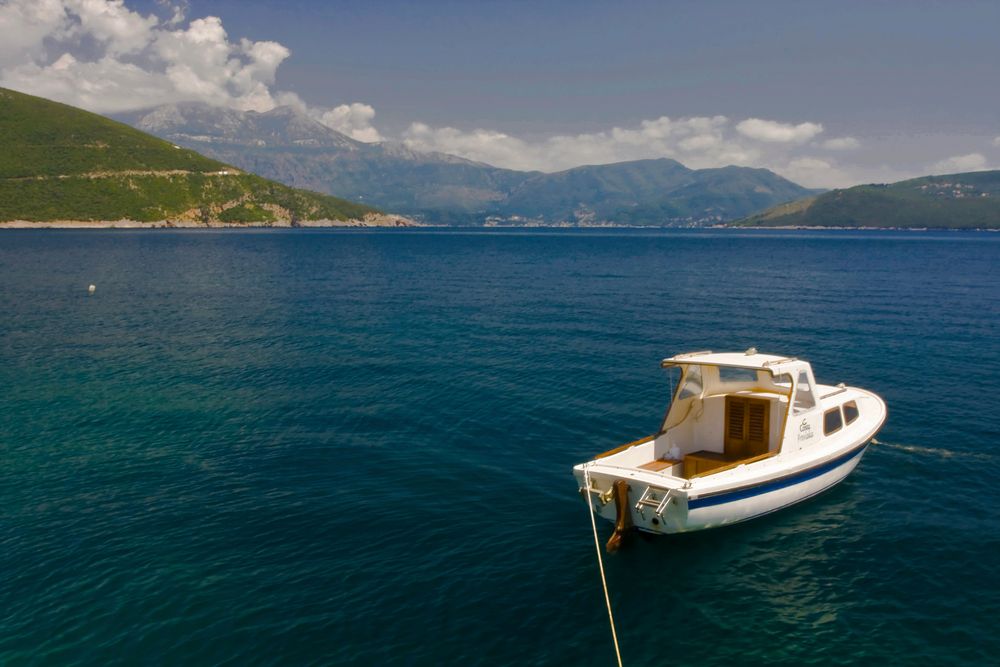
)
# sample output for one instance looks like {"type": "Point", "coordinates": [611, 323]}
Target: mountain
{"type": "Point", "coordinates": [952, 201]}
{"type": "Point", "coordinates": [60, 163]}
{"type": "Point", "coordinates": [291, 147]}
{"type": "Point", "coordinates": [649, 192]}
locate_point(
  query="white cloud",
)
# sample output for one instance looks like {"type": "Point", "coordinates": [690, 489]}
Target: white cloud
{"type": "Point", "coordinates": [109, 22]}
{"type": "Point", "coordinates": [960, 163]}
{"type": "Point", "coordinates": [702, 141]}
{"type": "Point", "coordinates": [996, 142]}
{"type": "Point", "coordinates": [100, 55]}
{"type": "Point", "coordinates": [495, 148]}
{"type": "Point", "coordinates": [354, 120]}
{"type": "Point", "coordinates": [774, 131]}
{"type": "Point", "coordinates": [24, 26]}
{"type": "Point", "coordinates": [699, 142]}
{"type": "Point", "coordinates": [841, 144]}
{"type": "Point", "coordinates": [105, 57]}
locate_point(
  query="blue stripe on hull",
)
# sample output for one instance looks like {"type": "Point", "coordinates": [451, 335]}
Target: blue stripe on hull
{"type": "Point", "coordinates": [767, 487]}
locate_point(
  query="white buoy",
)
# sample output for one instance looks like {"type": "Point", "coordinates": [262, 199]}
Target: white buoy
{"type": "Point", "coordinates": [92, 289]}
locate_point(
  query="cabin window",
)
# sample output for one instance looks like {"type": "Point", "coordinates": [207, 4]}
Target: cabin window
{"type": "Point", "coordinates": [692, 383]}
{"type": "Point", "coordinates": [730, 375]}
{"type": "Point", "coordinates": [784, 381]}
{"type": "Point", "coordinates": [781, 384]}
{"type": "Point", "coordinates": [831, 421]}
{"type": "Point", "coordinates": [851, 412]}
{"type": "Point", "coordinates": [804, 399]}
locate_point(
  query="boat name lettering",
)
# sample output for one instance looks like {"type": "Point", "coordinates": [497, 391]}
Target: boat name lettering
{"type": "Point", "coordinates": [805, 430]}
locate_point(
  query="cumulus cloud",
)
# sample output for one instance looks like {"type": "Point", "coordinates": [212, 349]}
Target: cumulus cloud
{"type": "Point", "coordinates": [774, 131]}
{"type": "Point", "coordinates": [354, 120]}
{"type": "Point", "coordinates": [841, 144]}
{"type": "Point", "coordinates": [700, 141]}
{"type": "Point", "coordinates": [480, 145]}
{"type": "Point", "coordinates": [101, 55]}
{"type": "Point", "coordinates": [697, 142]}
{"type": "Point", "coordinates": [105, 57]}
{"type": "Point", "coordinates": [120, 30]}
{"type": "Point", "coordinates": [25, 25]}
{"type": "Point", "coordinates": [960, 163]}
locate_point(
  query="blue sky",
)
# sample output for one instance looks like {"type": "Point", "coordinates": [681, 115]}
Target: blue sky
{"type": "Point", "coordinates": [838, 92]}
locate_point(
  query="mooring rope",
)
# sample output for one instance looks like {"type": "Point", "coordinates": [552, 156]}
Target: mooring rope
{"type": "Point", "coordinates": [600, 563]}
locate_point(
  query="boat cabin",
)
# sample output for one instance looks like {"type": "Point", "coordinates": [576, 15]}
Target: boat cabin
{"type": "Point", "coordinates": [729, 409]}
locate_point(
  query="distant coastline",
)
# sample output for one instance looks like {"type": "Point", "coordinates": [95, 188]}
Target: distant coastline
{"type": "Point", "coordinates": [820, 228]}
{"type": "Point", "coordinates": [717, 226]}
{"type": "Point", "coordinates": [387, 221]}
{"type": "Point", "coordinates": [370, 220]}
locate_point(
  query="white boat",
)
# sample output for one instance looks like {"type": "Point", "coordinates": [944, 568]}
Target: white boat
{"type": "Point", "coordinates": [746, 434]}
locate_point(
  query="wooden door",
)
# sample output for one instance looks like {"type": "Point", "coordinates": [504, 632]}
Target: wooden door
{"type": "Point", "coordinates": [748, 422]}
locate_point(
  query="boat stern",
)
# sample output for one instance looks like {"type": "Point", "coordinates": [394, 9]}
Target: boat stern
{"type": "Point", "coordinates": [629, 501]}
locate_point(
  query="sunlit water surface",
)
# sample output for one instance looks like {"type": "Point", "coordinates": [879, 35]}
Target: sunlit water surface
{"type": "Point", "coordinates": [334, 447]}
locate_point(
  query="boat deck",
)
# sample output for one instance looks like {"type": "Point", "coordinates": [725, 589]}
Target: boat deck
{"type": "Point", "coordinates": [659, 465]}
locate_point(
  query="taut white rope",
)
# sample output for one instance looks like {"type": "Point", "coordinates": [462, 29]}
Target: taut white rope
{"type": "Point", "coordinates": [600, 563]}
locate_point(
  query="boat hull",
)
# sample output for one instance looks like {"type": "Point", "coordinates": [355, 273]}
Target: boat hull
{"type": "Point", "coordinates": [750, 502]}
{"type": "Point", "coordinates": [691, 509]}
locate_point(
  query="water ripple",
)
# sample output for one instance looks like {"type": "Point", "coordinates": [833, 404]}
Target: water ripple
{"type": "Point", "coordinates": [355, 448]}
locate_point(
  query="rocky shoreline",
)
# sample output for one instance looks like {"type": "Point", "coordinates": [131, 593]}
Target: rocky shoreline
{"type": "Point", "coordinates": [370, 220]}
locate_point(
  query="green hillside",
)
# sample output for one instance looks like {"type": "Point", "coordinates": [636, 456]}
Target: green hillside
{"type": "Point", "coordinates": [62, 163]}
{"type": "Point", "coordinates": [953, 201]}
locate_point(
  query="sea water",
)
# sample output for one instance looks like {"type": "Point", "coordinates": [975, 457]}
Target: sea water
{"type": "Point", "coordinates": [355, 447]}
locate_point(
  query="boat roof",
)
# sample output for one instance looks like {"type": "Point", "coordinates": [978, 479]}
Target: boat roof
{"type": "Point", "coordinates": [773, 363]}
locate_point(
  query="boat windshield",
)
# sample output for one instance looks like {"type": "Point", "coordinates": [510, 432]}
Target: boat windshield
{"type": "Point", "coordinates": [733, 375]}
{"type": "Point", "coordinates": [804, 396]}
{"type": "Point", "coordinates": [693, 383]}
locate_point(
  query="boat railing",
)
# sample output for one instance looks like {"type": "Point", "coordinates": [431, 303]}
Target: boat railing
{"type": "Point", "coordinates": [841, 388]}
{"type": "Point", "coordinates": [627, 445]}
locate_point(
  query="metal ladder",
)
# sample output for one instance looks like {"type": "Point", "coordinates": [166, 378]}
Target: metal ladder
{"type": "Point", "coordinates": [649, 499]}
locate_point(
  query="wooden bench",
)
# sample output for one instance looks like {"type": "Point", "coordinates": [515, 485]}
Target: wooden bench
{"type": "Point", "coordinates": [700, 463]}
{"type": "Point", "coordinates": [708, 463]}
{"type": "Point", "coordinates": [658, 465]}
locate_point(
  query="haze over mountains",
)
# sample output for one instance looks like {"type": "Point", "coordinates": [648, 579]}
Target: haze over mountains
{"type": "Point", "coordinates": [291, 147]}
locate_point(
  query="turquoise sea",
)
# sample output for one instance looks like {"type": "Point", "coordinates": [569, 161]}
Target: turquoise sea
{"type": "Point", "coordinates": [355, 447]}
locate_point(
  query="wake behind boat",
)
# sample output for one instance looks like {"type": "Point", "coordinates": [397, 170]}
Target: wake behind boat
{"type": "Point", "coordinates": [746, 434]}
